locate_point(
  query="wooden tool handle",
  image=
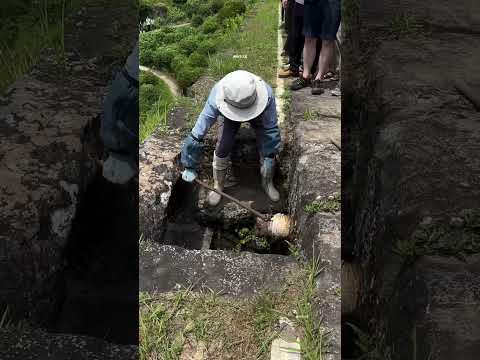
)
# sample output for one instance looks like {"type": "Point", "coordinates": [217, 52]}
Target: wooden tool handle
{"type": "Point", "coordinates": [238, 202]}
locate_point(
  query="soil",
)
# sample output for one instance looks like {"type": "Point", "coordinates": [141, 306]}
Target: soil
{"type": "Point", "coordinates": [59, 212]}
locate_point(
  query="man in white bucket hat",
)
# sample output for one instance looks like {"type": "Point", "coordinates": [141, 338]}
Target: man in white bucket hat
{"type": "Point", "coordinates": [239, 97]}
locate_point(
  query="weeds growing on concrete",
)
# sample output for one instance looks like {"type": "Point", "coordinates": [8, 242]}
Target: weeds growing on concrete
{"type": "Point", "coordinates": [404, 25]}
{"type": "Point", "coordinates": [310, 115]}
{"type": "Point", "coordinates": [287, 97]}
{"type": "Point", "coordinates": [330, 205]}
{"type": "Point", "coordinates": [248, 236]}
{"type": "Point", "coordinates": [457, 239]}
{"type": "Point", "coordinates": [294, 250]}
{"type": "Point", "coordinates": [314, 342]}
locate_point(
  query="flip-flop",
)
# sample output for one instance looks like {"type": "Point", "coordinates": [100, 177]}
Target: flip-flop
{"type": "Point", "coordinates": [329, 76]}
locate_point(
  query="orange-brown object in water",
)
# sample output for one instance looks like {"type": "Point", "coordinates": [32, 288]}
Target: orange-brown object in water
{"type": "Point", "coordinates": [279, 225]}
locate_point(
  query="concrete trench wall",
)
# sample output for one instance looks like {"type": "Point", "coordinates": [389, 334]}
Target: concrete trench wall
{"type": "Point", "coordinates": [314, 175]}
{"type": "Point", "coordinates": [164, 195]}
{"type": "Point", "coordinates": [416, 179]}
{"type": "Point", "coordinates": [49, 123]}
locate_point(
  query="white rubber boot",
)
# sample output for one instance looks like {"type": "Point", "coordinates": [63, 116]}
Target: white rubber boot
{"type": "Point", "coordinates": [267, 172]}
{"type": "Point", "coordinates": [220, 168]}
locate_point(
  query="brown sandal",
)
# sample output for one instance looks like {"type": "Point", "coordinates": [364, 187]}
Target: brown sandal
{"type": "Point", "coordinates": [329, 76]}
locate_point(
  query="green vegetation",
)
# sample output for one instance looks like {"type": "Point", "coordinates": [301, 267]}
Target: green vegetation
{"type": "Point", "coordinates": [404, 25]}
{"type": "Point", "coordinates": [27, 28]}
{"type": "Point", "coordinates": [314, 341]}
{"type": "Point", "coordinates": [287, 97]}
{"type": "Point", "coordinates": [231, 9]}
{"type": "Point", "coordinates": [248, 236]}
{"type": "Point", "coordinates": [350, 15]}
{"type": "Point", "coordinates": [310, 115]}
{"type": "Point", "coordinates": [178, 49]}
{"type": "Point", "coordinates": [156, 101]}
{"type": "Point", "coordinates": [247, 41]}
{"type": "Point", "coordinates": [457, 239]}
{"type": "Point", "coordinates": [294, 250]}
{"type": "Point", "coordinates": [330, 205]}
{"type": "Point", "coordinates": [251, 46]}
{"type": "Point", "coordinates": [231, 328]}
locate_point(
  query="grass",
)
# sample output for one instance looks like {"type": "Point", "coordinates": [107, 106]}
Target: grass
{"type": "Point", "coordinates": [294, 250]}
{"type": "Point", "coordinates": [330, 205]}
{"type": "Point", "coordinates": [251, 47]}
{"type": "Point", "coordinates": [314, 341]}
{"type": "Point", "coordinates": [254, 38]}
{"type": "Point", "coordinates": [310, 115]}
{"type": "Point", "coordinates": [156, 101]}
{"type": "Point", "coordinates": [228, 328]}
{"type": "Point", "coordinates": [231, 328]}
{"type": "Point", "coordinates": [405, 25]}
{"type": "Point", "coordinates": [287, 97]}
{"type": "Point", "coordinates": [41, 25]}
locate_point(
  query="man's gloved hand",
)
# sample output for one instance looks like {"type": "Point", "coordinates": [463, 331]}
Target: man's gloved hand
{"type": "Point", "coordinates": [189, 175]}
{"type": "Point", "coordinates": [118, 169]}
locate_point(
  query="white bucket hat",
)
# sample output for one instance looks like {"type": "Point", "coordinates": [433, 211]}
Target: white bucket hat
{"type": "Point", "coordinates": [241, 96]}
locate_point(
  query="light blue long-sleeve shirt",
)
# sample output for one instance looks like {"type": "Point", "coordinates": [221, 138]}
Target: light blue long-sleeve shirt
{"type": "Point", "coordinates": [210, 113]}
{"type": "Point", "coordinates": [191, 151]}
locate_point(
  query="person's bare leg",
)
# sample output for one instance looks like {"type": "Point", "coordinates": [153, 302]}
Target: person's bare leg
{"type": "Point", "coordinates": [308, 56]}
{"type": "Point", "coordinates": [326, 58]}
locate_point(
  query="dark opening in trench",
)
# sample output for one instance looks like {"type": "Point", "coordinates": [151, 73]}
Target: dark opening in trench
{"type": "Point", "coordinates": [100, 282]}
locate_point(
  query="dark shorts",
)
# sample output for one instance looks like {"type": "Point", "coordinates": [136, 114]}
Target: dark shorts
{"type": "Point", "coordinates": [227, 130]}
{"type": "Point", "coordinates": [321, 19]}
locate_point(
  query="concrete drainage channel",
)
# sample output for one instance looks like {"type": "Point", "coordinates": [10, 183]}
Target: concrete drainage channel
{"type": "Point", "coordinates": [192, 224]}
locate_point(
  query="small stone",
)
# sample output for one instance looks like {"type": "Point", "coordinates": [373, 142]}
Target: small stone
{"type": "Point", "coordinates": [426, 221]}
{"type": "Point", "coordinates": [457, 222]}
{"type": "Point", "coordinates": [284, 350]}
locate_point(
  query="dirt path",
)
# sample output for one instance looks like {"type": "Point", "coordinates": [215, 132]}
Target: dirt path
{"type": "Point", "coordinates": [169, 80]}
{"type": "Point", "coordinates": [181, 25]}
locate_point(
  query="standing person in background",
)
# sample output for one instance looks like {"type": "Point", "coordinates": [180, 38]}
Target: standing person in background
{"type": "Point", "coordinates": [295, 41]}
{"type": "Point", "coordinates": [287, 6]}
{"type": "Point", "coordinates": [321, 22]}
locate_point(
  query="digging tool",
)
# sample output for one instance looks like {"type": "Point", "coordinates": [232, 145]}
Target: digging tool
{"type": "Point", "coordinates": [279, 225]}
